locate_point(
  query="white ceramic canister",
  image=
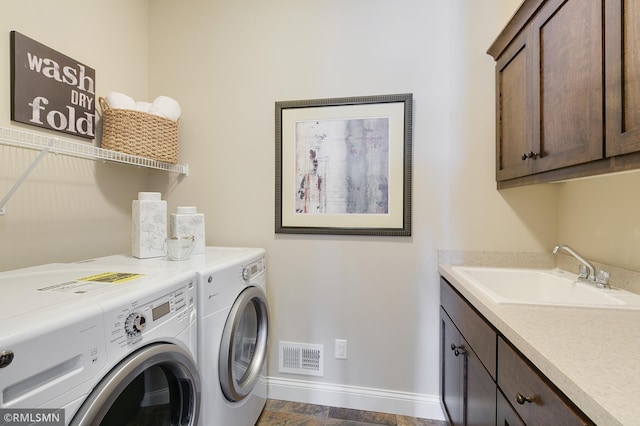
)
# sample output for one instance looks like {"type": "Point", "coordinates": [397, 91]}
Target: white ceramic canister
{"type": "Point", "coordinates": [149, 225]}
{"type": "Point", "coordinates": [187, 222]}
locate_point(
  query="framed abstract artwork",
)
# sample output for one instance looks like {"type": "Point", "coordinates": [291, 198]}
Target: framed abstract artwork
{"type": "Point", "coordinates": [343, 165]}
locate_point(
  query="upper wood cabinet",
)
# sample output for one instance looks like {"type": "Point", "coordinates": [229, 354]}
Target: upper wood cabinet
{"type": "Point", "coordinates": [622, 62]}
{"type": "Point", "coordinates": [514, 104]}
{"type": "Point", "coordinates": [551, 94]}
{"type": "Point", "coordinates": [567, 114]}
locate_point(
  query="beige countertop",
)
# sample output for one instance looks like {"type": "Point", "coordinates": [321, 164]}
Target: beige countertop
{"type": "Point", "coordinates": [590, 354]}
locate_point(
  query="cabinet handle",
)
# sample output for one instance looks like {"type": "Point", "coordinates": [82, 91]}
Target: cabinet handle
{"type": "Point", "coordinates": [457, 350]}
{"type": "Point", "coordinates": [529, 154]}
{"type": "Point", "coordinates": [521, 399]}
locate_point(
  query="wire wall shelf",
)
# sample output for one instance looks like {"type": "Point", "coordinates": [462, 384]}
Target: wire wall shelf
{"type": "Point", "coordinates": [58, 145]}
{"type": "Point", "coordinates": [46, 144]}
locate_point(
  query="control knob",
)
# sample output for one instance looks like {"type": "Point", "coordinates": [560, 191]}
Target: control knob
{"type": "Point", "coordinates": [246, 274]}
{"type": "Point", "coordinates": [134, 324]}
{"type": "Point", "coordinates": [5, 358]}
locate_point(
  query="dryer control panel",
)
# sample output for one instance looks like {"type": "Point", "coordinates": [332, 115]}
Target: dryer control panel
{"type": "Point", "coordinates": [253, 269]}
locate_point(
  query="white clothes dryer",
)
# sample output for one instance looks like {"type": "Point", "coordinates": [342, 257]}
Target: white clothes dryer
{"type": "Point", "coordinates": [107, 346]}
{"type": "Point", "coordinates": [233, 324]}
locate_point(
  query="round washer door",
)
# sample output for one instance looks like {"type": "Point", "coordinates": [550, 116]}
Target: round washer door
{"type": "Point", "coordinates": [157, 385]}
{"type": "Point", "coordinates": [243, 348]}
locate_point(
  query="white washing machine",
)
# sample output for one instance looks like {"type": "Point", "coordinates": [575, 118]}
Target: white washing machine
{"type": "Point", "coordinates": [212, 257]}
{"type": "Point", "coordinates": [233, 323]}
{"type": "Point", "coordinates": [108, 345]}
{"type": "Point", "coordinates": [230, 396]}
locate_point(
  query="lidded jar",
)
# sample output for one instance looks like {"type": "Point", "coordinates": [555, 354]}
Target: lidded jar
{"type": "Point", "coordinates": [149, 225]}
{"type": "Point", "coordinates": [186, 222]}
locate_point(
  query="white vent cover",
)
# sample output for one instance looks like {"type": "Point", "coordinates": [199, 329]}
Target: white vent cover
{"type": "Point", "coordinates": [301, 358]}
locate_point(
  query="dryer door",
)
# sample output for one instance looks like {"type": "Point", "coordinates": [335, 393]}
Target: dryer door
{"type": "Point", "coordinates": [157, 385]}
{"type": "Point", "coordinates": [243, 348]}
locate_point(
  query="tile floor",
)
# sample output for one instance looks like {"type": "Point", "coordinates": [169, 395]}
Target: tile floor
{"type": "Point", "coordinates": [286, 413]}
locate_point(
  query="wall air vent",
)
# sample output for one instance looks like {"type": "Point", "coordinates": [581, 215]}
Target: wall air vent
{"type": "Point", "coordinates": [301, 358]}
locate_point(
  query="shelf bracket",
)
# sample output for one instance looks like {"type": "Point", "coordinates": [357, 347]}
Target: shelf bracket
{"type": "Point", "coordinates": [24, 176]}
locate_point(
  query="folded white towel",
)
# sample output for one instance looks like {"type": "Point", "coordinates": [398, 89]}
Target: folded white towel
{"type": "Point", "coordinates": [166, 107]}
{"type": "Point", "coordinates": [143, 106]}
{"type": "Point", "coordinates": [120, 101]}
{"type": "Point", "coordinates": [162, 106]}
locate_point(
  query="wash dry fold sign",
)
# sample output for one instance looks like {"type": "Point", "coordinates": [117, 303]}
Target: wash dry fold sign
{"type": "Point", "coordinates": [51, 90]}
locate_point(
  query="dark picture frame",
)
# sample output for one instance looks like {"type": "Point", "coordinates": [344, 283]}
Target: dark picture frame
{"type": "Point", "coordinates": [344, 165]}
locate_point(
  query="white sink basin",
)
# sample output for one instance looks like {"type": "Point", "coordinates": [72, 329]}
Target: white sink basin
{"type": "Point", "coordinates": [544, 287]}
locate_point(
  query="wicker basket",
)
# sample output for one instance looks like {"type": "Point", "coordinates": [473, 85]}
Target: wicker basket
{"type": "Point", "coordinates": [139, 133]}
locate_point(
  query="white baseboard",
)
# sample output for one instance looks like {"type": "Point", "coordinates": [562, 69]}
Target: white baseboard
{"type": "Point", "coordinates": [359, 398]}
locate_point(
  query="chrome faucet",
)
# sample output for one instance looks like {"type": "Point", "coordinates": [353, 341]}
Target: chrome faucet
{"type": "Point", "coordinates": [587, 271]}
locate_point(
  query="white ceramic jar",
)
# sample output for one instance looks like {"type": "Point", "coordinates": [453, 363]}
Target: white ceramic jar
{"type": "Point", "coordinates": [149, 225]}
{"type": "Point", "coordinates": [186, 222]}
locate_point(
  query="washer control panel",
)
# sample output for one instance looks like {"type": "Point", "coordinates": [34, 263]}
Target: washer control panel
{"type": "Point", "coordinates": [130, 323]}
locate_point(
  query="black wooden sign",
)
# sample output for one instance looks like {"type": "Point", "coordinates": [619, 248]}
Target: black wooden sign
{"type": "Point", "coordinates": [51, 90]}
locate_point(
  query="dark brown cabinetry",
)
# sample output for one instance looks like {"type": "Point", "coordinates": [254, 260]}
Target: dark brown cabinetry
{"type": "Point", "coordinates": [505, 414]}
{"type": "Point", "coordinates": [467, 386]}
{"type": "Point", "coordinates": [468, 391]}
{"type": "Point", "coordinates": [622, 62]}
{"type": "Point", "coordinates": [484, 380]}
{"type": "Point", "coordinates": [514, 129]}
{"type": "Point", "coordinates": [556, 115]}
{"type": "Point", "coordinates": [532, 396]}
{"type": "Point", "coordinates": [452, 368]}
{"type": "Point", "coordinates": [550, 92]}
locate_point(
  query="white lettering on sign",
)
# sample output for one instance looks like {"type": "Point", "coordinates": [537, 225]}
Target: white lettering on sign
{"type": "Point", "coordinates": [81, 99]}
{"type": "Point", "coordinates": [59, 121]}
{"type": "Point", "coordinates": [69, 75]}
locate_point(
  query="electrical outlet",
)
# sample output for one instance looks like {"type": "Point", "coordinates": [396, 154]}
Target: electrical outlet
{"type": "Point", "coordinates": [341, 349]}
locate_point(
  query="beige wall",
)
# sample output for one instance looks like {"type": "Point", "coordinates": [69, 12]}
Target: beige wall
{"type": "Point", "coordinates": [600, 218]}
{"type": "Point", "coordinates": [228, 62]}
{"type": "Point", "coordinates": [69, 208]}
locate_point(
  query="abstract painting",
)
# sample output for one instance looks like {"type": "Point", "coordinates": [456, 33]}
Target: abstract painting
{"type": "Point", "coordinates": [343, 166]}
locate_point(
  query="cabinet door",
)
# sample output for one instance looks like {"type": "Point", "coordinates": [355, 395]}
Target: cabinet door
{"type": "Point", "coordinates": [622, 63]}
{"type": "Point", "coordinates": [451, 371]}
{"type": "Point", "coordinates": [468, 390]}
{"type": "Point", "coordinates": [480, 393]}
{"type": "Point", "coordinates": [506, 415]}
{"type": "Point", "coordinates": [569, 74]}
{"type": "Point", "coordinates": [514, 127]}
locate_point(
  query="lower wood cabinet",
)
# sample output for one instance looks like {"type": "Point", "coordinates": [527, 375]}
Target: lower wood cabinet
{"type": "Point", "coordinates": [467, 387]}
{"type": "Point", "coordinates": [480, 393]}
{"type": "Point", "coordinates": [452, 370]}
{"type": "Point", "coordinates": [533, 397]}
{"type": "Point", "coordinates": [505, 414]}
{"type": "Point", "coordinates": [468, 391]}
{"type": "Point", "coordinates": [484, 380]}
